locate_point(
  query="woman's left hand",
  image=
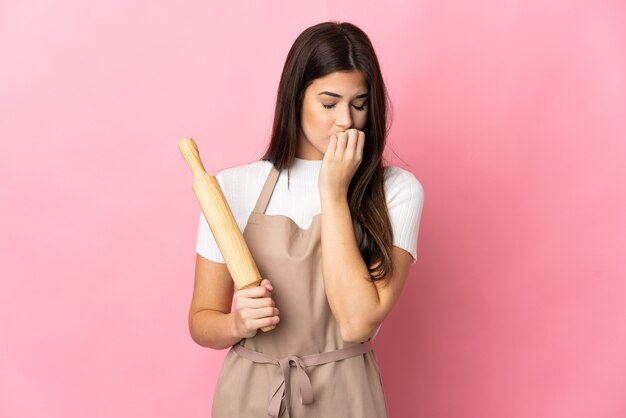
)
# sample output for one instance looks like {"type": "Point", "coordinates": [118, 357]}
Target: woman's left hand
{"type": "Point", "coordinates": [341, 160]}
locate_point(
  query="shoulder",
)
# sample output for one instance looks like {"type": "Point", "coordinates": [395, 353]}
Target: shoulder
{"type": "Point", "coordinates": [243, 173]}
{"type": "Point", "coordinates": [401, 185]}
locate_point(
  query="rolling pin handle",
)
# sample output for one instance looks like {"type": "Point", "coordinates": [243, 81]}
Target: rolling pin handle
{"type": "Point", "coordinates": [189, 150]}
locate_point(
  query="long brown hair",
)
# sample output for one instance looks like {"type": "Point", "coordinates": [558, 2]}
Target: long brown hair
{"type": "Point", "coordinates": [319, 50]}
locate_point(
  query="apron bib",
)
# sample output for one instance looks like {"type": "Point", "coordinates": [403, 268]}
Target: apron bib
{"type": "Point", "coordinates": [302, 368]}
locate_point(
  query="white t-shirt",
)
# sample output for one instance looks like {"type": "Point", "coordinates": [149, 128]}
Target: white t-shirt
{"type": "Point", "coordinates": [242, 185]}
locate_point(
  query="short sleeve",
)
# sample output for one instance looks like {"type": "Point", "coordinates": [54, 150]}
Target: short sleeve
{"type": "Point", "coordinates": [405, 200]}
{"type": "Point", "coordinates": [206, 246]}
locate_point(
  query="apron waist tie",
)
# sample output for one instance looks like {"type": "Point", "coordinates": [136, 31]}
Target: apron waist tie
{"type": "Point", "coordinates": [280, 388]}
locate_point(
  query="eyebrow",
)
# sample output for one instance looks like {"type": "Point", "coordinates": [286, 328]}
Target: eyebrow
{"type": "Point", "coordinates": [337, 95]}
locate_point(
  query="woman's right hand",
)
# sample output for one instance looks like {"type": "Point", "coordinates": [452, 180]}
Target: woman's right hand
{"type": "Point", "coordinates": [255, 309]}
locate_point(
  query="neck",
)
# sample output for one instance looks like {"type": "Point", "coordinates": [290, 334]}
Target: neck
{"type": "Point", "coordinates": [305, 171]}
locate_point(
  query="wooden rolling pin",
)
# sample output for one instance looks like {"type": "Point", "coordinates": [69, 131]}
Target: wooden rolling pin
{"type": "Point", "coordinates": [223, 225]}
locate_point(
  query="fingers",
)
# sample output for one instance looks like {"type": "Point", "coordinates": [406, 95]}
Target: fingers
{"type": "Point", "coordinates": [248, 313]}
{"type": "Point", "coordinates": [263, 322]}
{"type": "Point", "coordinates": [342, 138]}
{"type": "Point", "coordinates": [359, 146]}
{"type": "Point", "coordinates": [255, 309]}
{"type": "Point", "coordinates": [332, 147]}
{"type": "Point", "coordinates": [351, 142]}
{"type": "Point", "coordinates": [248, 321]}
{"type": "Point", "coordinates": [258, 303]}
{"type": "Point", "coordinates": [266, 283]}
{"type": "Point", "coordinates": [257, 291]}
{"type": "Point", "coordinates": [348, 144]}
{"type": "Point", "coordinates": [256, 297]}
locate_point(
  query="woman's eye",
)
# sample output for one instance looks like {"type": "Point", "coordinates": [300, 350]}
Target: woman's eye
{"type": "Point", "coordinates": [359, 108]}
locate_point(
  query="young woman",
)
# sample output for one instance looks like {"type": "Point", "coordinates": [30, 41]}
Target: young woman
{"type": "Point", "coordinates": [321, 176]}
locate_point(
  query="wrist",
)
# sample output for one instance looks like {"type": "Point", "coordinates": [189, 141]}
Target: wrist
{"type": "Point", "coordinates": [234, 330]}
{"type": "Point", "coordinates": [333, 197]}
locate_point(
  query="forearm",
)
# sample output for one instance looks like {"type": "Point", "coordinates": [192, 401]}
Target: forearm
{"type": "Point", "coordinates": [350, 292]}
{"type": "Point", "coordinates": [213, 329]}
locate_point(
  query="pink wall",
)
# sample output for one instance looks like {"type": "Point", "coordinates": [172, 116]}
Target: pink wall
{"type": "Point", "coordinates": [511, 114]}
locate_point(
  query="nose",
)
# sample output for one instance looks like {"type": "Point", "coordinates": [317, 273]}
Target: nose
{"type": "Point", "coordinates": [344, 118]}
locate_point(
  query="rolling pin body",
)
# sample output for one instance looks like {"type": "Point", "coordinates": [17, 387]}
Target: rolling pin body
{"type": "Point", "coordinates": [216, 210]}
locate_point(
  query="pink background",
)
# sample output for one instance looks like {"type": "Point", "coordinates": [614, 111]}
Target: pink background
{"type": "Point", "coordinates": [511, 114]}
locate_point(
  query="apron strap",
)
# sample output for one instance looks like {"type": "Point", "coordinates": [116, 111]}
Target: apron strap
{"type": "Point", "coordinates": [267, 190]}
{"type": "Point", "coordinates": [280, 386]}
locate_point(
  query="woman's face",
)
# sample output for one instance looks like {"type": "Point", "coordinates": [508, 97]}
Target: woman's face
{"type": "Point", "coordinates": [331, 104]}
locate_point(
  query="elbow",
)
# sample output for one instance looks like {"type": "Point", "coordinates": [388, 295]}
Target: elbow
{"type": "Point", "coordinates": [205, 330]}
{"type": "Point", "coordinates": [193, 331]}
{"type": "Point", "coordinates": [356, 333]}
{"type": "Point", "coordinates": [196, 334]}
